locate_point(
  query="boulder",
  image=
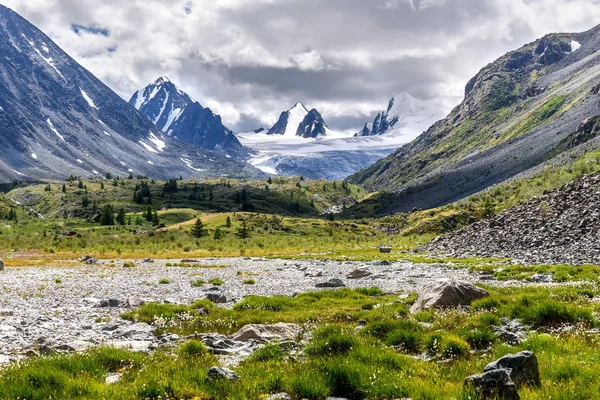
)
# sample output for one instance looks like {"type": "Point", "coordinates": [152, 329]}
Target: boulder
{"type": "Point", "coordinates": [542, 278]}
{"type": "Point", "coordinates": [216, 373]}
{"type": "Point", "coordinates": [359, 273]}
{"type": "Point", "coordinates": [522, 367]}
{"type": "Point", "coordinates": [267, 333]}
{"type": "Point", "coordinates": [445, 294]}
{"type": "Point", "coordinates": [110, 303]}
{"type": "Point", "coordinates": [511, 331]}
{"type": "Point", "coordinates": [332, 283]}
{"type": "Point", "coordinates": [217, 298]}
{"type": "Point", "coordinates": [1, 265]}
{"type": "Point", "coordinates": [494, 384]}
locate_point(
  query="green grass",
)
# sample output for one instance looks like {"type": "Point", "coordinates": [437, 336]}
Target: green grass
{"type": "Point", "coordinates": [372, 363]}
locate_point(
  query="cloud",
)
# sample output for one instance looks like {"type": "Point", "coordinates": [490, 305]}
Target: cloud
{"type": "Point", "coordinates": [250, 59]}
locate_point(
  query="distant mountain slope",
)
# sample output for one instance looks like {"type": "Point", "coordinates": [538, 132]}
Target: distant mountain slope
{"type": "Point", "coordinates": [177, 114]}
{"type": "Point", "coordinates": [57, 119]}
{"type": "Point", "coordinates": [298, 121]}
{"type": "Point", "coordinates": [518, 111]}
{"type": "Point", "coordinates": [405, 115]}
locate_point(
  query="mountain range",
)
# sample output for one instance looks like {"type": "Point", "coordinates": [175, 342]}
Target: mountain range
{"type": "Point", "coordinates": [176, 114]}
{"type": "Point", "coordinates": [57, 119]}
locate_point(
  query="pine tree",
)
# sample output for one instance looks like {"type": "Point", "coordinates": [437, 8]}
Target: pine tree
{"type": "Point", "coordinates": [198, 230]}
{"type": "Point", "coordinates": [108, 215]}
{"type": "Point", "coordinates": [102, 185]}
{"type": "Point", "coordinates": [80, 184]}
{"type": "Point", "coordinates": [148, 214]}
{"type": "Point", "coordinates": [218, 234]}
{"type": "Point", "coordinates": [228, 222]}
{"type": "Point", "coordinates": [270, 181]}
{"type": "Point", "coordinates": [121, 216]}
{"type": "Point", "coordinates": [64, 188]}
{"type": "Point", "coordinates": [94, 207]}
{"type": "Point", "coordinates": [155, 220]}
{"type": "Point", "coordinates": [243, 231]}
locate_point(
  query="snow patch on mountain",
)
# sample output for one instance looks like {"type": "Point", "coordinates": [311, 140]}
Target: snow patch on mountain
{"type": "Point", "coordinates": [88, 99]}
{"type": "Point", "coordinates": [575, 45]}
{"type": "Point", "coordinates": [53, 129]}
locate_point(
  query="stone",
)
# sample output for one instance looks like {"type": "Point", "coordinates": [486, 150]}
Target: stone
{"type": "Point", "coordinates": [91, 261]}
{"type": "Point", "coordinates": [359, 273]}
{"type": "Point", "coordinates": [332, 283]}
{"type": "Point", "coordinates": [216, 373]}
{"type": "Point", "coordinates": [542, 278]}
{"type": "Point", "coordinates": [112, 378]}
{"type": "Point", "coordinates": [1, 265]}
{"type": "Point", "coordinates": [494, 384]}
{"type": "Point", "coordinates": [511, 331]}
{"type": "Point", "coordinates": [279, 396]}
{"type": "Point", "coordinates": [522, 367]}
{"type": "Point", "coordinates": [109, 303]}
{"type": "Point", "coordinates": [267, 333]}
{"type": "Point", "coordinates": [148, 260]}
{"type": "Point", "coordinates": [446, 294]}
{"type": "Point", "coordinates": [217, 298]}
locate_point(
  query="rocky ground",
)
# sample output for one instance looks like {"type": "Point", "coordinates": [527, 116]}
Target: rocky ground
{"type": "Point", "coordinates": [562, 226]}
{"type": "Point", "coordinates": [72, 308]}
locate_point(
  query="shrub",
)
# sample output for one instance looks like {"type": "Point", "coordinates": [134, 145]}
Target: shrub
{"type": "Point", "coordinates": [275, 303]}
{"type": "Point", "coordinates": [432, 343]}
{"type": "Point", "coordinates": [249, 282]}
{"type": "Point", "coordinates": [373, 291]}
{"type": "Point", "coordinates": [128, 264]}
{"type": "Point", "coordinates": [480, 338]}
{"type": "Point", "coordinates": [308, 385]}
{"type": "Point", "coordinates": [192, 348]}
{"type": "Point", "coordinates": [410, 340]}
{"type": "Point", "coordinates": [551, 313]}
{"type": "Point", "coordinates": [216, 282]}
{"type": "Point", "coordinates": [267, 353]}
{"type": "Point", "coordinates": [346, 378]}
{"type": "Point", "coordinates": [454, 347]}
{"type": "Point", "coordinates": [330, 340]}
{"type": "Point", "coordinates": [164, 281]}
{"type": "Point", "coordinates": [198, 283]}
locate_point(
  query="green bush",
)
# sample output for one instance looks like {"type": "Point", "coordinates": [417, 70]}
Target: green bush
{"type": "Point", "coordinates": [249, 282]}
{"type": "Point", "coordinates": [192, 348]}
{"type": "Point", "coordinates": [372, 291]}
{"type": "Point", "coordinates": [330, 340]}
{"type": "Point", "coordinates": [198, 283]}
{"type": "Point", "coordinates": [128, 264]}
{"type": "Point", "coordinates": [268, 353]}
{"type": "Point", "coordinates": [551, 313]}
{"type": "Point", "coordinates": [410, 340]}
{"type": "Point", "coordinates": [480, 338]}
{"type": "Point", "coordinates": [164, 281]}
{"type": "Point", "coordinates": [347, 378]}
{"type": "Point", "coordinates": [309, 385]}
{"type": "Point", "coordinates": [452, 346]}
{"type": "Point", "coordinates": [275, 303]}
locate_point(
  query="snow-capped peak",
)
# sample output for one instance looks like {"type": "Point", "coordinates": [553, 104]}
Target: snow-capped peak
{"type": "Point", "coordinates": [162, 80]}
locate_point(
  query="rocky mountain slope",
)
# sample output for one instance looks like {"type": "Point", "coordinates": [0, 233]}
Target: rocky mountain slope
{"type": "Point", "coordinates": [562, 226]}
{"type": "Point", "coordinates": [405, 115]}
{"type": "Point", "coordinates": [176, 114]}
{"type": "Point", "coordinates": [57, 119]}
{"type": "Point", "coordinates": [518, 111]}
{"type": "Point", "coordinates": [298, 121]}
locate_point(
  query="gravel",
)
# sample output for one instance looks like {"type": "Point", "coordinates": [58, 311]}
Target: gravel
{"type": "Point", "coordinates": [73, 308]}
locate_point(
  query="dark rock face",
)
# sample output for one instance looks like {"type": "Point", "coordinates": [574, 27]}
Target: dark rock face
{"type": "Point", "coordinates": [57, 119]}
{"type": "Point", "coordinates": [562, 226]}
{"type": "Point", "coordinates": [494, 384]}
{"type": "Point", "coordinates": [177, 114]}
{"type": "Point", "coordinates": [312, 125]}
{"type": "Point", "coordinates": [522, 367]}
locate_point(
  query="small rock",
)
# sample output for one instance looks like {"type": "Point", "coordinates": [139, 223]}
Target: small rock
{"type": "Point", "coordinates": [217, 298]}
{"type": "Point", "coordinates": [109, 303]}
{"type": "Point", "coordinates": [267, 333]}
{"type": "Point", "coordinates": [522, 367]}
{"type": "Point", "coordinates": [1, 265]}
{"type": "Point", "coordinates": [447, 293]}
{"type": "Point", "coordinates": [359, 273]}
{"type": "Point", "coordinates": [148, 260]}
{"type": "Point", "coordinates": [215, 373]}
{"type": "Point", "coordinates": [542, 278]}
{"type": "Point", "coordinates": [494, 384]}
{"type": "Point", "coordinates": [332, 283]}
{"type": "Point", "coordinates": [279, 396]}
{"type": "Point", "coordinates": [112, 378]}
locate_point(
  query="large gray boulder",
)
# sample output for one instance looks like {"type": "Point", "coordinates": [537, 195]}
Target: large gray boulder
{"type": "Point", "coordinates": [332, 283]}
{"type": "Point", "coordinates": [268, 333]}
{"type": "Point", "coordinates": [446, 294]}
{"type": "Point", "coordinates": [495, 384]}
{"type": "Point", "coordinates": [522, 367]}
{"type": "Point", "coordinates": [216, 373]}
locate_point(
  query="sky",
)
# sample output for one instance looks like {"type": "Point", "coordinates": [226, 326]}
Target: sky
{"type": "Point", "coordinates": [249, 60]}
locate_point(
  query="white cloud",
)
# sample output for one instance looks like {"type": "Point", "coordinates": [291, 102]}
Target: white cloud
{"type": "Point", "coordinates": [250, 59]}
